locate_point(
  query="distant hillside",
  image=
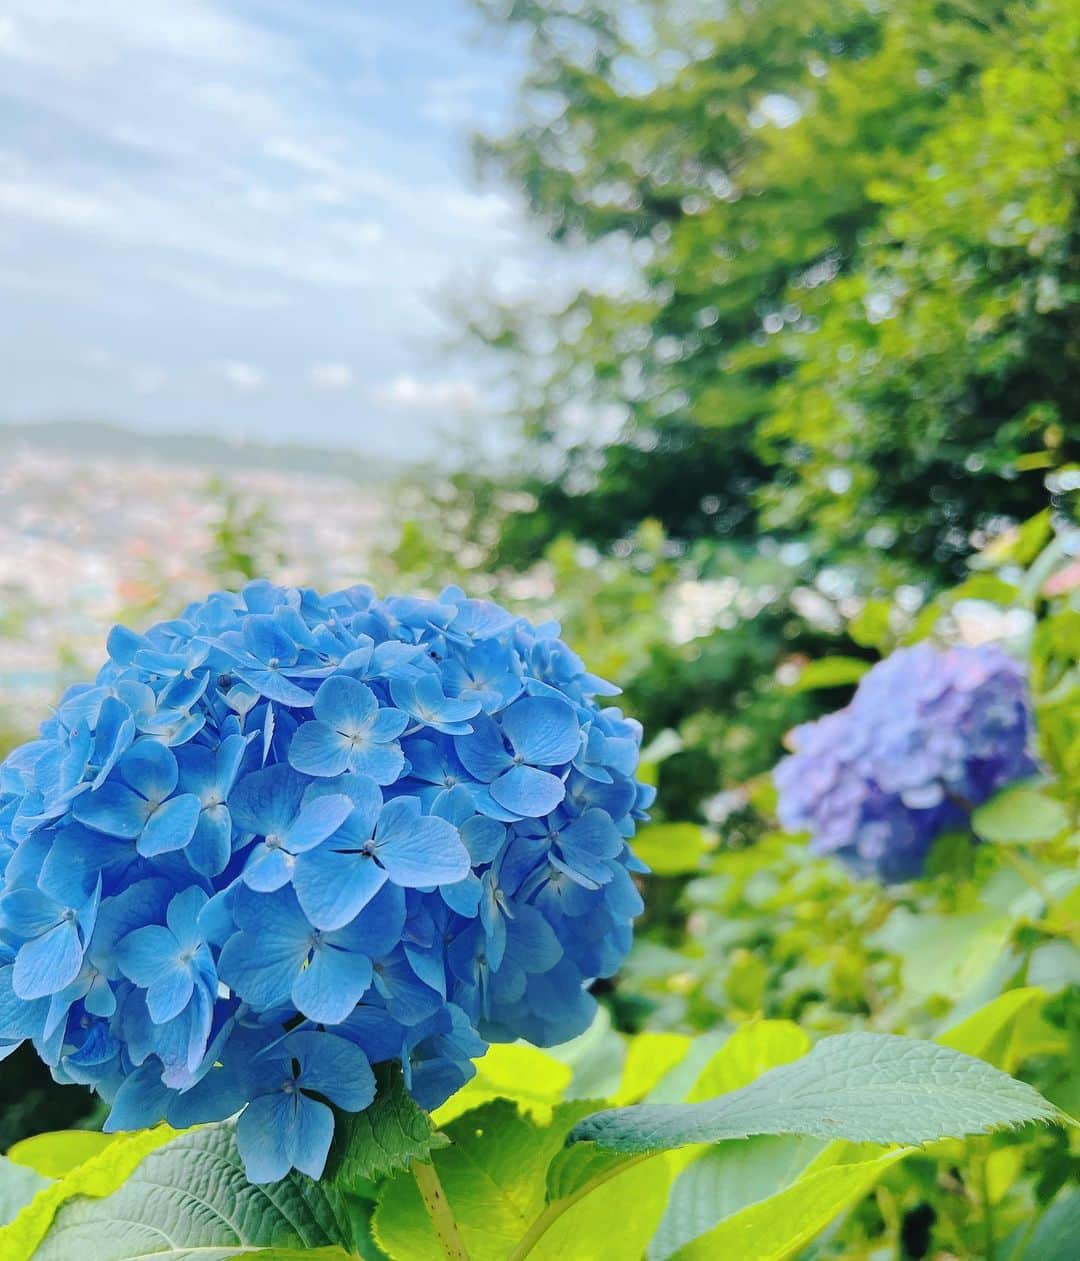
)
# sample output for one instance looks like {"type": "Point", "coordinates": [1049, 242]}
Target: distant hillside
{"type": "Point", "coordinates": [198, 450]}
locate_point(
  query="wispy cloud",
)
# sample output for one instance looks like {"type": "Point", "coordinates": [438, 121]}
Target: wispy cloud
{"type": "Point", "coordinates": [194, 182]}
{"type": "Point", "coordinates": [330, 376]}
{"type": "Point", "coordinates": [411, 393]}
{"type": "Point", "coordinates": [241, 376]}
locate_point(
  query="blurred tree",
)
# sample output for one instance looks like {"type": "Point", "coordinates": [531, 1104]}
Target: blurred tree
{"type": "Point", "coordinates": [242, 536]}
{"type": "Point", "coordinates": [835, 284]}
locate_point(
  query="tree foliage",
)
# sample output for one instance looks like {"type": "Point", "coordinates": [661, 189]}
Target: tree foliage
{"type": "Point", "coordinates": [841, 269]}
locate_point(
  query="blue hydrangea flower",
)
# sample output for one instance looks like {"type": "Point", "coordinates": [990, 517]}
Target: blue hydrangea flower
{"type": "Point", "coordinates": [929, 735]}
{"type": "Point", "coordinates": [286, 837]}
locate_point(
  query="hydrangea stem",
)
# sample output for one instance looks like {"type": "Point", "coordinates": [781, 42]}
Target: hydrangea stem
{"type": "Point", "coordinates": [438, 1209]}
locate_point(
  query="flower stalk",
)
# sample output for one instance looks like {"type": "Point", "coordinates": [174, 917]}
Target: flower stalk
{"type": "Point", "coordinates": [439, 1211]}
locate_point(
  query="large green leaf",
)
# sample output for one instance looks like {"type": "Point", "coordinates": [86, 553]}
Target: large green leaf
{"type": "Point", "coordinates": [1020, 816]}
{"type": "Point", "coordinates": [649, 1058]}
{"type": "Point", "coordinates": [60, 1151]}
{"type": "Point", "coordinates": [494, 1175]}
{"type": "Point", "coordinates": [1057, 1235]}
{"type": "Point", "coordinates": [725, 1179]}
{"type": "Point", "coordinates": [865, 1087]}
{"type": "Point", "coordinates": [671, 849]}
{"type": "Point", "coordinates": [531, 1078]}
{"type": "Point", "coordinates": [616, 1219]}
{"type": "Point", "coordinates": [190, 1200]}
{"type": "Point", "coordinates": [831, 672]}
{"type": "Point", "coordinates": [98, 1176]}
{"type": "Point", "coordinates": [334, 1253]}
{"type": "Point", "coordinates": [772, 1229]}
{"type": "Point", "coordinates": [18, 1186]}
{"type": "Point", "coordinates": [991, 1032]}
{"type": "Point", "coordinates": [753, 1049]}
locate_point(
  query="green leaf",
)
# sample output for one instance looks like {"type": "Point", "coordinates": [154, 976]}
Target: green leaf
{"type": "Point", "coordinates": [55, 1154]}
{"type": "Point", "coordinates": [649, 1057]}
{"type": "Point", "coordinates": [615, 1220]}
{"type": "Point", "coordinates": [830, 672]}
{"type": "Point", "coordinates": [98, 1176]}
{"type": "Point", "coordinates": [531, 1078]}
{"type": "Point", "coordinates": [989, 1032]}
{"type": "Point", "coordinates": [946, 954]}
{"type": "Point", "coordinates": [191, 1199]}
{"type": "Point", "coordinates": [1020, 816]}
{"type": "Point", "coordinates": [864, 1087]}
{"type": "Point", "coordinates": [575, 1166]}
{"type": "Point", "coordinates": [494, 1175]}
{"type": "Point", "coordinates": [772, 1229]}
{"type": "Point", "coordinates": [1055, 1237]}
{"type": "Point", "coordinates": [726, 1179]}
{"type": "Point", "coordinates": [671, 849]}
{"type": "Point", "coordinates": [871, 626]}
{"type": "Point", "coordinates": [290, 1254]}
{"type": "Point", "coordinates": [386, 1136]}
{"type": "Point", "coordinates": [752, 1049]}
{"type": "Point", "coordinates": [18, 1186]}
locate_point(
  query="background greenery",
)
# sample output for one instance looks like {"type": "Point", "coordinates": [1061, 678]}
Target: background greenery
{"type": "Point", "coordinates": [823, 402]}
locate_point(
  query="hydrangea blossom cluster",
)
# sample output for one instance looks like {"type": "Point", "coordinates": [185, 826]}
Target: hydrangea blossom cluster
{"type": "Point", "coordinates": [287, 837]}
{"type": "Point", "coordinates": [929, 735]}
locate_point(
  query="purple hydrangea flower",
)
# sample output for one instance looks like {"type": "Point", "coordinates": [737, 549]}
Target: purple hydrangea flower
{"type": "Point", "coordinates": [929, 735]}
{"type": "Point", "coordinates": [287, 837]}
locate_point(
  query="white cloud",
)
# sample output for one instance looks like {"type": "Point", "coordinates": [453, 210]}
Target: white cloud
{"type": "Point", "coordinates": [147, 378]}
{"type": "Point", "coordinates": [408, 392]}
{"type": "Point", "coordinates": [241, 376]}
{"type": "Point", "coordinates": [208, 288]}
{"type": "Point", "coordinates": [330, 376]}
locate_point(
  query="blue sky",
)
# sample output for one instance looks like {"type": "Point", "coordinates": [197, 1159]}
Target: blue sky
{"type": "Point", "coordinates": [243, 215]}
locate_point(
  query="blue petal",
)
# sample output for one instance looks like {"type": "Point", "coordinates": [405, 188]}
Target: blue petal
{"type": "Point", "coordinates": [334, 887]}
{"type": "Point", "coordinates": [262, 1136]}
{"type": "Point", "coordinates": [346, 704]}
{"type": "Point", "coordinates": [209, 850]}
{"type": "Point", "coordinates": [319, 818]}
{"type": "Point", "coordinates": [333, 1066]}
{"type": "Point", "coordinates": [182, 916]}
{"type": "Point", "coordinates": [407, 998]}
{"type": "Point", "coordinates": [170, 827]}
{"type": "Point", "coordinates": [28, 912]}
{"type": "Point", "coordinates": [419, 850]}
{"type": "Point", "coordinates": [483, 838]}
{"type": "Point", "coordinates": [170, 993]}
{"type": "Point", "coordinates": [382, 762]}
{"type": "Point", "coordinates": [141, 1101]}
{"type": "Point", "coordinates": [150, 768]}
{"type": "Point", "coordinates": [528, 791]}
{"type": "Point", "coordinates": [147, 954]}
{"type": "Point", "coordinates": [48, 963]}
{"type": "Point", "coordinates": [268, 869]}
{"type": "Point", "coordinates": [543, 731]}
{"type": "Point", "coordinates": [274, 686]}
{"type": "Point", "coordinates": [332, 984]}
{"type": "Point", "coordinates": [463, 896]}
{"type": "Point", "coordinates": [267, 800]}
{"type": "Point", "coordinates": [308, 1140]}
{"type": "Point", "coordinates": [483, 753]}
{"type": "Point", "coordinates": [319, 749]}
{"type": "Point", "coordinates": [113, 809]}
{"type": "Point", "coordinates": [388, 724]}
{"type": "Point", "coordinates": [378, 927]}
